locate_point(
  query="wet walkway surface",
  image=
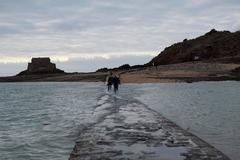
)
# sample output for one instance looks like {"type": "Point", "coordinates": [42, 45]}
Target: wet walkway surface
{"type": "Point", "coordinates": [128, 130]}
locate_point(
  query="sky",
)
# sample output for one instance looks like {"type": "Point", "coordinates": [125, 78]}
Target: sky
{"type": "Point", "coordinates": [85, 35]}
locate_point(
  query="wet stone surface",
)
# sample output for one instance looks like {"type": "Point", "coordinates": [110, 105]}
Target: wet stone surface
{"type": "Point", "coordinates": [129, 130]}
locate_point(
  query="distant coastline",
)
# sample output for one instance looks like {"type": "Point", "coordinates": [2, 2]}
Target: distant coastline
{"type": "Point", "coordinates": [183, 72]}
{"type": "Point", "coordinates": [215, 56]}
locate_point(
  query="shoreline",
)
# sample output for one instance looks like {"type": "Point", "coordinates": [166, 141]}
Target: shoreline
{"type": "Point", "coordinates": [174, 73]}
{"type": "Point", "coordinates": [152, 81]}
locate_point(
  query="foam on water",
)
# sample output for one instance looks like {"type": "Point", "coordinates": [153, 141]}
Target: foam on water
{"type": "Point", "coordinates": [103, 99]}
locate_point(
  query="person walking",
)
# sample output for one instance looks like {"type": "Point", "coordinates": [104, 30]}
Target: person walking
{"type": "Point", "coordinates": [116, 82]}
{"type": "Point", "coordinates": [109, 81]}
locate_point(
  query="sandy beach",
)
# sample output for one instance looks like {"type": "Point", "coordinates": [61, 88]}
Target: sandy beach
{"type": "Point", "coordinates": [183, 72]}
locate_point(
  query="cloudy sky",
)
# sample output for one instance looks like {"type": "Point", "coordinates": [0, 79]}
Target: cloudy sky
{"type": "Point", "coordinates": [83, 35]}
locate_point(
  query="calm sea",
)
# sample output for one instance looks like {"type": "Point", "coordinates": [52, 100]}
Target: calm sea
{"type": "Point", "coordinates": [41, 121]}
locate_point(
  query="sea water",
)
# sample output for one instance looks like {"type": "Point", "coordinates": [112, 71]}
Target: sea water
{"type": "Point", "coordinates": [41, 121]}
{"type": "Point", "coordinates": [210, 110]}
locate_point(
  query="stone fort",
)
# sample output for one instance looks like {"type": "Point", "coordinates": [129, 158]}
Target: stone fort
{"type": "Point", "coordinates": [41, 65]}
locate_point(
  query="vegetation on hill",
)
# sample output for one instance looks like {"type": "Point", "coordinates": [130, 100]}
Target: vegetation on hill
{"type": "Point", "coordinates": [214, 45]}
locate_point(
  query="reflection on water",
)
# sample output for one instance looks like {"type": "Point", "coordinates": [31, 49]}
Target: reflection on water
{"type": "Point", "coordinates": [42, 120]}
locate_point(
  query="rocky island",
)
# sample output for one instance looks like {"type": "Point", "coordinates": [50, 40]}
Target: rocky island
{"type": "Point", "coordinates": [41, 66]}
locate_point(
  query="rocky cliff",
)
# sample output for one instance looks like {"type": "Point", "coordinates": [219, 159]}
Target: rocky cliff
{"type": "Point", "coordinates": [214, 45]}
{"type": "Point", "coordinates": [41, 66]}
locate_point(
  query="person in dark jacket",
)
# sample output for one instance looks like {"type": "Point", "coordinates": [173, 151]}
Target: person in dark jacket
{"type": "Point", "coordinates": [116, 82]}
{"type": "Point", "coordinates": [109, 81]}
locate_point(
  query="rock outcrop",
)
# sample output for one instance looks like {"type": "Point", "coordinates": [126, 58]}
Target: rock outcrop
{"type": "Point", "coordinates": [122, 67]}
{"type": "Point", "coordinates": [222, 46]}
{"type": "Point", "coordinates": [41, 66]}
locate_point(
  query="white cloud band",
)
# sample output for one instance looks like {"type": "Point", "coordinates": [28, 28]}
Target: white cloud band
{"type": "Point", "coordinates": [64, 58]}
